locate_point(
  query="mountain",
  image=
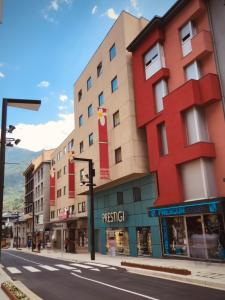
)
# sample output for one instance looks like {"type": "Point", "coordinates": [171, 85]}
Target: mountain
{"type": "Point", "coordinates": [17, 160]}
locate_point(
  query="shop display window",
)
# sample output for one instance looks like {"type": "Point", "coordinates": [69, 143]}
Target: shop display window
{"type": "Point", "coordinates": [121, 238]}
{"type": "Point", "coordinates": [144, 245]}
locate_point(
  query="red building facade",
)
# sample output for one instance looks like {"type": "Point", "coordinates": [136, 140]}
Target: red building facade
{"type": "Point", "coordinates": [178, 101]}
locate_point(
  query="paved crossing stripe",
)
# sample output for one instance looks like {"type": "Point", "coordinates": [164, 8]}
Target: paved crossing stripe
{"type": "Point", "coordinates": [81, 266]}
{"type": "Point", "coordinates": [49, 268]}
{"type": "Point", "coordinates": [65, 267]}
{"type": "Point", "coordinates": [31, 269]}
{"type": "Point", "coordinates": [101, 265]}
{"type": "Point", "coordinates": [13, 270]}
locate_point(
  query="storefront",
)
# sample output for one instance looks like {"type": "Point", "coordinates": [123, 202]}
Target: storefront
{"type": "Point", "coordinates": [124, 225]}
{"type": "Point", "coordinates": [194, 229]}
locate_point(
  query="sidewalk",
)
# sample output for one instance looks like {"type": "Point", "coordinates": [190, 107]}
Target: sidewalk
{"type": "Point", "coordinates": [206, 274]}
{"type": "Point", "coordinates": [3, 277]}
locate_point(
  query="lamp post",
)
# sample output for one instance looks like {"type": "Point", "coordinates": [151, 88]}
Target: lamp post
{"type": "Point", "coordinates": [17, 230]}
{"type": "Point", "coordinates": [91, 193]}
{"type": "Point", "coordinates": [18, 103]}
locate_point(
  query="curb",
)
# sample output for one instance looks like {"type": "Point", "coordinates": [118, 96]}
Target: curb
{"type": "Point", "coordinates": [10, 294]}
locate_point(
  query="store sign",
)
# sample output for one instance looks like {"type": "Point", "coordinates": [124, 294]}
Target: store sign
{"type": "Point", "coordinates": [200, 208]}
{"type": "Point", "coordinates": [113, 217]}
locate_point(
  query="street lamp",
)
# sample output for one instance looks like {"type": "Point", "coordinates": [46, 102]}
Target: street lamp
{"type": "Point", "coordinates": [91, 174]}
{"type": "Point", "coordinates": [18, 103]}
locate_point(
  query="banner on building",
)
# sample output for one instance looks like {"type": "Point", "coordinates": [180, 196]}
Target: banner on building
{"type": "Point", "coordinates": [71, 175]}
{"type": "Point", "coordinates": [52, 186]}
{"type": "Point", "coordinates": [103, 144]}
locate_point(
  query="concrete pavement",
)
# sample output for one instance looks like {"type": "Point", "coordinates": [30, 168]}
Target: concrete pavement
{"type": "Point", "coordinates": [206, 274]}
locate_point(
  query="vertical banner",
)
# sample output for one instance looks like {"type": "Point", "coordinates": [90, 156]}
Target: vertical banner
{"type": "Point", "coordinates": [103, 143]}
{"type": "Point", "coordinates": [71, 175]}
{"type": "Point", "coordinates": [52, 186]}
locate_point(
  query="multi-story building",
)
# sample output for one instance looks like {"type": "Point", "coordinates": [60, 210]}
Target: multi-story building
{"type": "Point", "coordinates": [178, 102]}
{"type": "Point", "coordinates": [41, 193]}
{"type": "Point", "coordinates": [106, 132]}
{"type": "Point", "coordinates": [68, 213]}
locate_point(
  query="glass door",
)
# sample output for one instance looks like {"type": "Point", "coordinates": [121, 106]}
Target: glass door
{"type": "Point", "coordinates": [196, 237]}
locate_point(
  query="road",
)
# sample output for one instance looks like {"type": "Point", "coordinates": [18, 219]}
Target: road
{"type": "Point", "coordinates": [53, 279]}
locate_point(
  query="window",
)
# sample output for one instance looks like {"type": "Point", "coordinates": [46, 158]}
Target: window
{"type": "Point", "coordinates": [198, 179]}
{"type": "Point", "coordinates": [41, 173]}
{"type": "Point", "coordinates": [192, 71]}
{"type": "Point", "coordinates": [64, 170]}
{"type": "Point", "coordinates": [81, 120]}
{"type": "Point", "coordinates": [136, 194]}
{"type": "Point", "coordinates": [99, 69]}
{"type": "Point", "coordinates": [195, 126]}
{"type": "Point", "coordinates": [83, 206]}
{"type": "Point", "coordinates": [118, 155]}
{"type": "Point", "coordinates": [100, 99]}
{"type": "Point", "coordinates": [80, 95]}
{"type": "Point", "coordinates": [160, 91]}
{"type": "Point", "coordinates": [41, 204]}
{"type": "Point", "coordinates": [119, 198]}
{"type": "Point", "coordinates": [70, 145]}
{"type": "Point", "coordinates": [186, 34]}
{"type": "Point", "coordinates": [65, 150]}
{"type": "Point", "coordinates": [116, 119]}
{"type": "Point", "coordinates": [154, 60]}
{"type": "Point", "coordinates": [90, 111]}
{"type": "Point", "coordinates": [64, 190]}
{"type": "Point", "coordinates": [89, 83]}
{"type": "Point", "coordinates": [112, 52]}
{"type": "Point", "coordinates": [79, 207]}
{"type": "Point", "coordinates": [91, 139]}
{"type": "Point", "coordinates": [59, 174]}
{"type": "Point", "coordinates": [59, 155]}
{"type": "Point", "coordinates": [59, 193]}
{"type": "Point", "coordinates": [42, 188]}
{"type": "Point", "coordinates": [81, 175]}
{"type": "Point", "coordinates": [114, 84]}
{"type": "Point", "coordinates": [163, 146]}
{"type": "Point", "coordinates": [81, 146]}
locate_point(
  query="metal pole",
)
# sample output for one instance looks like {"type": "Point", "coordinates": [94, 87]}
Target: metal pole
{"type": "Point", "coordinates": [91, 192]}
{"type": "Point", "coordinates": [2, 164]}
{"type": "Point", "coordinates": [17, 230]}
{"type": "Point", "coordinates": [33, 226]}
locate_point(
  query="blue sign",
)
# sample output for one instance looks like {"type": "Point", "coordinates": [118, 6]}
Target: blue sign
{"type": "Point", "coordinates": [195, 208]}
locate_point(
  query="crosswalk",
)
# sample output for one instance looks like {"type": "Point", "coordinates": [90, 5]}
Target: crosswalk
{"type": "Point", "coordinates": [75, 267]}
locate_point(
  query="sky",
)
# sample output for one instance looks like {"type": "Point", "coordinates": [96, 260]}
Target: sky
{"type": "Point", "coordinates": [44, 46]}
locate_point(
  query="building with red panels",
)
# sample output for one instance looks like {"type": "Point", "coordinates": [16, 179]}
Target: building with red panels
{"type": "Point", "coordinates": [178, 102]}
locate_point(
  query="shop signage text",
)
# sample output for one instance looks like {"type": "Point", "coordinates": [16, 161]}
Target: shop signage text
{"type": "Point", "coordinates": [113, 217]}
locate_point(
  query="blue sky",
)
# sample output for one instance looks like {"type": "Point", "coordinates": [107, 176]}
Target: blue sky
{"type": "Point", "coordinates": [44, 46]}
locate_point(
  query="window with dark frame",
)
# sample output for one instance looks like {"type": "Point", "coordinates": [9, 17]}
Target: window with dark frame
{"type": "Point", "coordinates": [119, 198]}
{"type": "Point", "coordinates": [81, 175]}
{"type": "Point", "coordinates": [99, 69]}
{"type": "Point", "coordinates": [90, 111]}
{"type": "Point", "coordinates": [79, 207]}
{"type": "Point", "coordinates": [100, 99]}
{"type": "Point", "coordinates": [89, 83]}
{"type": "Point", "coordinates": [83, 206]}
{"type": "Point", "coordinates": [81, 146]}
{"type": "Point", "coordinates": [91, 139]}
{"type": "Point", "coordinates": [80, 95]}
{"type": "Point", "coordinates": [114, 84]}
{"type": "Point", "coordinates": [81, 120]}
{"type": "Point", "coordinates": [116, 118]}
{"type": "Point", "coordinates": [136, 194]}
{"type": "Point", "coordinates": [118, 155]}
{"type": "Point", "coordinates": [112, 52]}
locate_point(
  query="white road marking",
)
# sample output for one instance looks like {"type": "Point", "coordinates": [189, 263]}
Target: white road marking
{"type": "Point", "coordinates": [49, 268]}
{"type": "Point", "coordinates": [13, 270]}
{"type": "Point", "coordinates": [65, 267]}
{"type": "Point", "coordinates": [95, 269]}
{"type": "Point", "coordinates": [112, 268]}
{"type": "Point", "coordinates": [115, 287]}
{"type": "Point", "coordinates": [97, 265]}
{"type": "Point", "coordinates": [81, 266]}
{"type": "Point", "coordinates": [31, 269]}
{"type": "Point", "coordinates": [77, 271]}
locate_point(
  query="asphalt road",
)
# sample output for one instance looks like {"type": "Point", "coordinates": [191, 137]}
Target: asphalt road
{"type": "Point", "coordinates": [54, 279]}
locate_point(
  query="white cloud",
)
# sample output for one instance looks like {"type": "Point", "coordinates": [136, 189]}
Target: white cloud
{"type": "Point", "coordinates": [43, 84]}
{"type": "Point", "coordinates": [53, 7]}
{"type": "Point", "coordinates": [134, 3]}
{"type": "Point", "coordinates": [44, 136]}
{"type": "Point", "coordinates": [1, 64]}
{"type": "Point", "coordinates": [63, 98]}
{"type": "Point", "coordinates": [110, 13]}
{"type": "Point", "coordinates": [61, 107]}
{"type": "Point", "coordinates": [135, 6]}
{"type": "Point", "coordinates": [2, 75]}
{"type": "Point", "coordinates": [94, 9]}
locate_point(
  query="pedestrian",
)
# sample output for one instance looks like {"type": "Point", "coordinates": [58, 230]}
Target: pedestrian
{"type": "Point", "coordinates": [112, 246]}
{"type": "Point", "coordinates": [29, 244]}
{"type": "Point", "coordinates": [66, 244]}
{"type": "Point", "coordinates": [39, 246]}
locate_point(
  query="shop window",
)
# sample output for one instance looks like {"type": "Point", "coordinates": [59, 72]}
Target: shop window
{"type": "Point", "coordinates": [118, 155]}
{"type": "Point", "coordinates": [81, 146]}
{"type": "Point", "coordinates": [196, 126]}
{"type": "Point", "coordinates": [114, 84]}
{"type": "Point", "coordinates": [136, 194]}
{"type": "Point", "coordinates": [119, 198]}
{"type": "Point", "coordinates": [80, 95]}
{"type": "Point", "coordinates": [121, 241]}
{"type": "Point", "coordinates": [186, 34]}
{"type": "Point", "coordinates": [192, 71]}
{"type": "Point", "coordinates": [116, 119]}
{"type": "Point", "coordinates": [160, 92]}
{"type": "Point", "coordinates": [100, 99]}
{"type": "Point", "coordinates": [89, 83]}
{"type": "Point", "coordinates": [112, 52]}
{"type": "Point", "coordinates": [144, 245]}
{"type": "Point", "coordinates": [163, 145]}
{"type": "Point", "coordinates": [153, 60]}
{"type": "Point", "coordinates": [99, 69]}
{"type": "Point", "coordinates": [91, 139]}
{"type": "Point", "coordinates": [198, 179]}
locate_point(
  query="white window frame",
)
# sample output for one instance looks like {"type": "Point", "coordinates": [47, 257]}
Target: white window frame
{"type": "Point", "coordinates": [196, 71]}
{"type": "Point", "coordinates": [154, 60]}
{"type": "Point", "coordinates": [186, 38]}
{"type": "Point", "coordinates": [162, 87]}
